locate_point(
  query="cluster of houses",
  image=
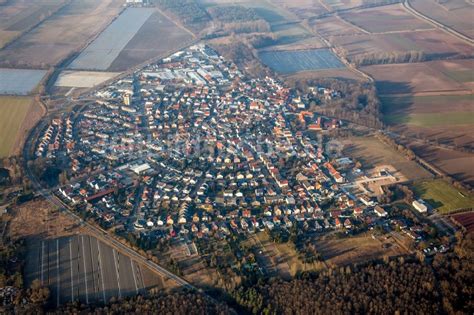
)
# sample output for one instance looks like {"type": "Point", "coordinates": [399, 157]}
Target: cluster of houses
{"type": "Point", "coordinates": [191, 145]}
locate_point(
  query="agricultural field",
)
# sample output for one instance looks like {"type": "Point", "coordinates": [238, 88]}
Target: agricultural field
{"type": "Point", "coordinates": [465, 219]}
{"type": "Point", "coordinates": [59, 36]}
{"type": "Point", "coordinates": [429, 110]}
{"type": "Point", "coordinates": [433, 44]}
{"type": "Point", "coordinates": [302, 8]}
{"type": "Point", "coordinates": [157, 36]}
{"type": "Point", "coordinates": [390, 18]}
{"type": "Point", "coordinates": [295, 34]}
{"type": "Point", "coordinates": [444, 118]}
{"type": "Point", "coordinates": [456, 14]}
{"type": "Point", "coordinates": [137, 35]}
{"type": "Point", "coordinates": [264, 8]}
{"type": "Point", "coordinates": [19, 81]}
{"type": "Point", "coordinates": [349, 250]}
{"type": "Point", "coordinates": [19, 16]}
{"type": "Point", "coordinates": [83, 79]}
{"type": "Point", "coordinates": [329, 73]}
{"type": "Point", "coordinates": [100, 54]}
{"type": "Point", "coordinates": [441, 196]}
{"type": "Point", "coordinates": [441, 76]}
{"type": "Point", "coordinates": [371, 152]}
{"type": "Point", "coordinates": [303, 60]}
{"type": "Point", "coordinates": [13, 111]}
{"type": "Point", "coordinates": [457, 164]}
{"type": "Point", "coordinates": [335, 26]}
{"type": "Point", "coordinates": [82, 268]}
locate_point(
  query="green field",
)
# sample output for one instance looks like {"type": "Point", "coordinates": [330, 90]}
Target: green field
{"type": "Point", "coordinates": [442, 196]}
{"type": "Point", "coordinates": [13, 111]}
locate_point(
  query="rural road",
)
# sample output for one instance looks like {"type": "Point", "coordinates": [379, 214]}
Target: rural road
{"type": "Point", "coordinates": [407, 5]}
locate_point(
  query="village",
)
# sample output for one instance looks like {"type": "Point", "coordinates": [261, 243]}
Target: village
{"type": "Point", "coordinates": [190, 148]}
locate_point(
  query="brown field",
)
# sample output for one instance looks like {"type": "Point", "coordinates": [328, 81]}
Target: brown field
{"type": "Point", "coordinates": [38, 218]}
{"type": "Point", "coordinates": [157, 36]}
{"type": "Point", "coordinates": [329, 73]}
{"type": "Point", "coordinates": [343, 4]}
{"type": "Point", "coordinates": [434, 44]}
{"type": "Point", "coordinates": [302, 8]}
{"type": "Point", "coordinates": [19, 16]}
{"type": "Point", "coordinates": [457, 14]}
{"type": "Point", "coordinates": [433, 76]}
{"type": "Point", "coordinates": [459, 165]}
{"type": "Point", "coordinates": [465, 219]}
{"type": "Point", "coordinates": [371, 152]}
{"type": "Point", "coordinates": [357, 249]}
{"type": "Point", "coordinates": [61, 34]}
{"type": "Point", "coordinates": [385, 19]}
{"type": "Point", "coordinates": [334, 26]}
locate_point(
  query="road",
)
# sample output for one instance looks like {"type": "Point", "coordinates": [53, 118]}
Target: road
{"type": "Point", "coordinates": [447, 29]}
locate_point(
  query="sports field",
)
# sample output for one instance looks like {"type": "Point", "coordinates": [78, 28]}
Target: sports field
{"type": "Point", "coordinates": [13, 111]}
{"type": "Point", "coordinates": [300, 60]}
{"type": "Point", "coordinates": [442, 196]}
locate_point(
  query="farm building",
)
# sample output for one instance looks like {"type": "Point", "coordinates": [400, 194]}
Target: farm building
{"type": "Point", "coordinates": [420, 206]}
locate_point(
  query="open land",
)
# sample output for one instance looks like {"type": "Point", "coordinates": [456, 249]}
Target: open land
{"type": "Point", "coordinates": [456, 14]}
{"type": "Point", "coordinates": [441, 76]}
{"type": "Point", "coordinates": [295, 34]}
{"type": "Point", "coordinates": [13, 111]}
{"type": "Point", "coordinates": [265, 9]}
{"type": "Point", "coordinates": [59, 36]}
{"type": "Point", "coordinates": [100, 54]}
{"type": "Point", "coordinates": [434, 44]}
{"type": "Point", "coordinates": [294, 61]}
{"type": "Point", "coordinates": [323, 73]}
{"type": "Point", "coordinates": [83, 268]}
{"type": "Point", "coordinates": [444, 118]}
{"type": "Point", "coordinates": [334, 26]}
{"type": "Point", "coordinates": [390, 18]}
{"type": "Point", "coordinates": [459, 165]}
{"type": "Point", "coordinates": [442, 196]}
{"type": "Point", "coordinates": [372, 152]}
{"type": "Point", "coordinates": [302, 8]}
{"type": "Point", "coordinates": [19, 16]}
{"type": "Point", "coordinates": [357, 249]}
{"type": "Point", "coordinates": [429, 111]}
{"type": "Point", "coordinates": [19, 81]}
{"type": "Point", "coordinates": [72, 264]}
{"type": "Point", "coordinates": [280, 258]}
{"type": "Point", "coordinates": [83, 79]}
{"type": "Point", "coordinates": [158, 35]}
{"type": "Point", "coordinates": [344, 4]}
{"type": "Point", "coordinates": [466, 220]}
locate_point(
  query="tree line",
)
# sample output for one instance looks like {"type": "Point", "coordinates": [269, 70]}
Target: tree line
{"type": "Point", "coordinates": [401, 286]}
